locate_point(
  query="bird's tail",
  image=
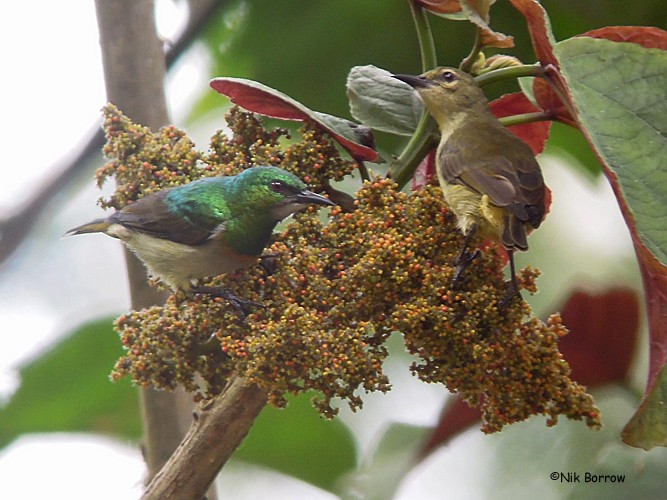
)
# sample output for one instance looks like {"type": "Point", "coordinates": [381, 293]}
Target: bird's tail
{"type": "Point", "coordinates": [514, 234]}
{"type": "Point", "coordinates": [95, 226]}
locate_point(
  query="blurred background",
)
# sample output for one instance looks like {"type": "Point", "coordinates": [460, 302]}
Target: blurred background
{"type": "Point", "coordinates": [65, 428]}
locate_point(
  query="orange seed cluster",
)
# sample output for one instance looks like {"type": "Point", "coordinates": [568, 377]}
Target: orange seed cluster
{"type": "Point", "coordinates": [333, 293]}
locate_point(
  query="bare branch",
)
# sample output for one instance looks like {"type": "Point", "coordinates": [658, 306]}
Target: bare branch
{"type": "Point", "coordinates": [15, 227]}
{"type": "Point", "coordinates": [216, 432]}
{"type": "Point", "coordinates": [134, 73]}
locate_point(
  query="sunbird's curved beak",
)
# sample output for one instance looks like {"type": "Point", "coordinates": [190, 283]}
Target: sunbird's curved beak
{"type": "Point", "coordinates": [416, 82]}
{"type": "Point", "coordinates": [305, 197]}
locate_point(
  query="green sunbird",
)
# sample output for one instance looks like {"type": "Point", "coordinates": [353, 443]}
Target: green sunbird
{"type": "Point", "coordinates": [208, 227]}
{"type": "Point", "coordinates": [489, 177]}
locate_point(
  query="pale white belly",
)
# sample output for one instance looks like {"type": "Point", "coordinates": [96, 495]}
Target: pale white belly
{"type": "Point", "coordinates": [177, 264]}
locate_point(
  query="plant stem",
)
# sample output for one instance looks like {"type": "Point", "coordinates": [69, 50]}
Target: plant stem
{"type": "Point", "coordinates": [429, 58]}
{"type": "Point", "coordinates": [425, 137]}
{"type": "Point", "coordinates": [511, 72]}
{"type": "Point", "coordinates": [537, 116]}
{"type": "Point", "coordinates": [422, 141]}
{"type": "Point", "coordinates": [467, 63]}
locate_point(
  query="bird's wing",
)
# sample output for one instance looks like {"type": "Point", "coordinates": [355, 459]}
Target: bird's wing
{"type": "Point", "coordinates": [190, 221]}
{"type": "Point", "coordinates": [512, 181]}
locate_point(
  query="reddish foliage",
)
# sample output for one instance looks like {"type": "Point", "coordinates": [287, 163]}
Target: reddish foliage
{"type": "Point", "coordinates": [477, 12]}
{"type": "Point", "coordinates": [490, 38]}
{"type": "Point", "coordinates": [260, 99]}
{"type": "Point", "coordinates": [534, 134]}
{"type": "Point", "coordinates": [546, 96]}
{"type": "Point", "coordinates": [538, 26]}
{"type": "Point", "coordinates": [650, 38]}
{"type": "Point", "coordinates": [441, 6]}
{"type": "Point", "coordinates": [654, 275]}
{"type": "Point", "coordinates": [455, 418]}
{"type": "Point", "coordinates": [425, 171]}
{"type": "Point", "coordinates": [603, 333]}
{"type": "Point", "coordinates": [549, 94]}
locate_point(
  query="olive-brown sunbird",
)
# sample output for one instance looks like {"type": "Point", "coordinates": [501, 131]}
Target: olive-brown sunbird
{"type": "Point", "coordinates": [489, 177]}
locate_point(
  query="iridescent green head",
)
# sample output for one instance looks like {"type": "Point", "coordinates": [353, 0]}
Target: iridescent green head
{"type": "Point", "coordinates": [273, 190]}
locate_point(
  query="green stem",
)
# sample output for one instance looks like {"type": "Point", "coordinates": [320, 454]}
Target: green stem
{"type": "Point", "coordinates": [422, 141]}
{"type": "Point", "coordinates": [425, 137]}
{"type": "Point", "coordinates": [363, 171]}
{"type": "Point", "coordinates": [467, 63]}
{"type": "Point", "coordinates": [508, 73]}
{"type": "Point", "coordinates": [424, 35]}
{"type": "Point", "coordinates": [537, 116]}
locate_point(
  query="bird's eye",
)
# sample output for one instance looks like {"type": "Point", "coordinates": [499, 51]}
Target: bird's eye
{"type": "Point", "coordinates": [277, 186]}
{"type": "Point", "coordinates": [448, 76]}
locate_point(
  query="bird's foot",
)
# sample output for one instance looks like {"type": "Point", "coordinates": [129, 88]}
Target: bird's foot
{"type": "Point", "coordinates": [207, 347]}
{"type": "Point", "coordinates": [243, 306]}
{"type": "Point", "coordinates": [462, 263]}
{"type": "Point", "coordinates": [269, 262]}
{"type": "Point", "coordinates": [511, 292]}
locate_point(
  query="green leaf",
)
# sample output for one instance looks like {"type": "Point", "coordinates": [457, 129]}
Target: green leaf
{"type": "Point", "coordinates": [620, 92]}
{"type": "Point", "coordinates": [383, 102]}
{"type": "Point", "coordinates": [648, 426]}
{"type": "Point", "coordinates": [298, 442]}
{"type": "Point", "coordinates": [68, 389]}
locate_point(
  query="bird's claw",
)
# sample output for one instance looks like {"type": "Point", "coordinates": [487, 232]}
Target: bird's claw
{"type": "Point", "coordinates": [269, 262]}
{"type": "Point", "coordinates": [243, 306]}
{"type": "Point", "coordinates": [511, 292]}
{"type": "Point", "coordinates": [464, 260]}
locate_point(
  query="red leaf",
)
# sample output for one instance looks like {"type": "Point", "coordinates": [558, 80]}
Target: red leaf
{"type": "Point", "coordinates": [441, 6]}
{"type": "Point", "coordinates": [546, 97]}
{"type": "Point", "coordinates": [550, 100]}
{"type": "Point", "coordinates": [490, 38]}
{"type": "Point", "coordinates": [425, 171]}
{"type": "Point", "coordinates": [477, 12]}
{"type": "Point", "coordinates": [534, 134]}
{"type": "Point", "coordinates": [650, 38]}
{"type": "Point", "coordinates": [539, 29]}
{"type": "Point", "coordinates": [254, 96]}
{"type": "Point", "coordinates": [603, 335]}
{"type": "Point", "coordinates": [654, 275]}
{"type": "Point", "coordinates": [455, 418]}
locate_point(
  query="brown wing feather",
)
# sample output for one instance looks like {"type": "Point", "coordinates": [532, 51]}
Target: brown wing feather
{"type": "Point", "coordinates": [152, 216]}
{"type": "Point", "coordinates": [512, 180]}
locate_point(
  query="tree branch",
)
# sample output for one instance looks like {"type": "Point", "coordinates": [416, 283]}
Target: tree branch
{"type": "Point", "coordinates": [16, 227]}
{"type": "Point", "coordinates": [134, 73]}
{"type": "Point", "coordinates": [216, 432]}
